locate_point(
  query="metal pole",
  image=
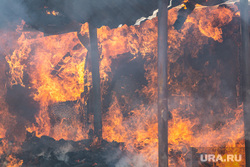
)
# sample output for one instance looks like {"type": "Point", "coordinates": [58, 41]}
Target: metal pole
{"type": "Point", "coordinates": [245, 62]}
{"type": "Point", "coordinates": [96, 81]}
{"type": "Point", "coordinates": [162, 84]}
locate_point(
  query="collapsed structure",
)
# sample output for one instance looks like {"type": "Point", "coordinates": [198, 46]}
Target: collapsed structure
{"type": "Point", "coordinates": [53, 75]}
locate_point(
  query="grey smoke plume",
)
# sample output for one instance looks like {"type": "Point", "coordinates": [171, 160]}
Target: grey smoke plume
{"type": "Point", "coordinates": [11, 11]}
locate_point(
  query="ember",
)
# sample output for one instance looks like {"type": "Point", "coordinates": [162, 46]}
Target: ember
{"type": "Point", "coordinates": [46, 91]}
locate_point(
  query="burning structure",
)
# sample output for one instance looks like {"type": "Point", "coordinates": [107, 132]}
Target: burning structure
{"type": "Point", "coordinates": [50, 103]}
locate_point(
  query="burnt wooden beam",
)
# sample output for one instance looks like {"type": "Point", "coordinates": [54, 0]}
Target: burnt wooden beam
{"type": "Point", "coordinates": [183, 14]}
{"type": "Point", "coordinates": [162, 84]}
{"type": "Point", "coordinates": [96, 81]}
{"type": "Point", "coordinates": [58, 67]}
{"type": "Point", "coordinates": [84, 39]}
{"type": "Point", "coordinates": [245, 63]}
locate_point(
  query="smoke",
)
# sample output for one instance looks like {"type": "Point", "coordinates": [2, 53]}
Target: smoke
{"type": "Point", "coordinates": [11, 11]}
{"type": "Point", "coordinates": [135, 160]}
{"type": "Point", "coordinates": [61, 152]}
{"type": "Point", "coordinates": [119, 158]}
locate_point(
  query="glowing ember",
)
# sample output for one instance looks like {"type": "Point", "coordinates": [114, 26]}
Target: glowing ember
{"type": "Point", "coordinates": [52, 13]}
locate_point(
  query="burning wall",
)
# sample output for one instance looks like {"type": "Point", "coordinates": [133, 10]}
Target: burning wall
{"type": "Point", "coordinates": [53, 71]}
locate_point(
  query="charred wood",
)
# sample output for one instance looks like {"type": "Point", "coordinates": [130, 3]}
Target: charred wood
{"type": "Point", "coordinates": [46, 151]}
{"type": "Point", "coordinates": [163, 113]}
{"type": "Point", "coordinates": [58, 68]}
{"type": "Point", "coordinates": [96, 81]}
{"type": "Point", "coordinates": [245, 64]}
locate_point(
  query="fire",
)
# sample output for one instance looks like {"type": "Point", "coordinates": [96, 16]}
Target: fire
{"type": "Point", "coordinates": [219, 17]}
{"type": "Point", "coordinates": [13, 162]}
{"type": "Point", "coordinates": [52, 13]}
{"type": "Point", "coordinates": [58, 72]}
{"type": "Point", "coordinates": [7, 150]}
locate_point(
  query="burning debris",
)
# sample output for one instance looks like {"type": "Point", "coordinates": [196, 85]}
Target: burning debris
{"type": "Point", "coordinates": [46, 151]}
{"type": "Point", "coordinates": [47, 107]}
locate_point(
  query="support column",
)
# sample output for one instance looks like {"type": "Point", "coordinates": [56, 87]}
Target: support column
{"type": "Point", "coordinates": [162, 84]}
{"type": "Point", "coordinates": [96, 81]}
{"type": "Point", "coordinates": [245, 63]}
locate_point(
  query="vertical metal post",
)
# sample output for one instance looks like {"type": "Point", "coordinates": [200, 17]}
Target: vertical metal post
{"type": "Point", "coordinates": [96, 81]}
{"type": "Point", "coordinates": [162, 84]}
